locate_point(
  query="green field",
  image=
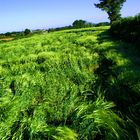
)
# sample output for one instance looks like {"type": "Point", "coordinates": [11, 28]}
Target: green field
{"type": "Point", "coordinates": [77, 84]}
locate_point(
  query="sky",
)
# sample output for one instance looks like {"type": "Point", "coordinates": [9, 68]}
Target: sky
{"type": "Point", "coordinates": [16, 15]}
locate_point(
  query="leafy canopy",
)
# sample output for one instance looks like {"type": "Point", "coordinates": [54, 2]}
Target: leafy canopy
{"type": "Point", "coordinates": [79, 23]}
{"type": "Point", "coordinates": [27, 31]}
{"type": "Point", "coordinates": [112, 7]}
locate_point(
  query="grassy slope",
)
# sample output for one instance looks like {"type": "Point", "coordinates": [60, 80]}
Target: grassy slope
{"type": "Point", "coordinates": [59, 86]}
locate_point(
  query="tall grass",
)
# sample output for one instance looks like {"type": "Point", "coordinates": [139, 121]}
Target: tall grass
{"type": "Point", "coordinates": [50, 88]}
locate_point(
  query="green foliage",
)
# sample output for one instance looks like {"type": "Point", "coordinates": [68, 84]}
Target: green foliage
{"type": "Point", "coordinates": [81, 24]}
{"type": "Point", "coordinates": [98, 116]}
{"type": "Point", "coordinates": [112, 8]}
{"type": "Point", "coordinates": [52, 87]}
{"type": "Point", "coordinates": [7, 34]}
{"type": "Point", "coordinates": [27, 31]}
{"type": "Point", "coordinates": [127, 29]}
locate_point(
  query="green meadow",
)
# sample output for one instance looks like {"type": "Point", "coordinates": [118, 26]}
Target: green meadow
{"type": "Point", "coordinates": [77, 84]}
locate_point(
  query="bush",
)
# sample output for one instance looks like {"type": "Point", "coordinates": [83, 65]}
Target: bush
{"type": "Point", "coordinates": [27, 31]}
{"type": "Point", "coordinates": [81, 24]}
{"type": "Point", "coordinates": [127, 29]}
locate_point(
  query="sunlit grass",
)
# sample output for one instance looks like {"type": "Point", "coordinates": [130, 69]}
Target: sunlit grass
{"type": "Point", "coordinates": [50, 87]}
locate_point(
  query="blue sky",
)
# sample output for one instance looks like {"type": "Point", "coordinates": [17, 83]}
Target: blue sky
{"type": "Point", "coordinates": [16, 15]}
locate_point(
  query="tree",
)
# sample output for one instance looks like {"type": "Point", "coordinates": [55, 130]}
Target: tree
{"type": "Point", "coordinates": [79, 23]}
{"type": "Point", "coordinates": [27, 31]}
{"type": "Point", "coordinates": [112, 7]}
{"type": "Point", "coordinates": [8, 34]}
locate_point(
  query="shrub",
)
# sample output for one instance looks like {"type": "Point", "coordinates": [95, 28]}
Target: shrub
{"type": "Point", "coordinates": [27, 31]}
{"type": "Point", "coordinates": [127, 29]}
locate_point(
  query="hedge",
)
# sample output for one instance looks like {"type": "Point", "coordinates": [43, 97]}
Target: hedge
{"type": "Point", "coordinates": [127, 29]}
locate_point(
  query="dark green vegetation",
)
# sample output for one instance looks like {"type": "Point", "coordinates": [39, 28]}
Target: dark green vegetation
{"type": "Point", "coordinates": [127, 29]}
{"type": "Point", "coordinates": [81, 24]}
{"type": "Point", "coordinates": [68, 85]}
{"type": "Point", "coordinates": [27, 32]}
{"type": "Point", "coordinates": [112, 8]}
